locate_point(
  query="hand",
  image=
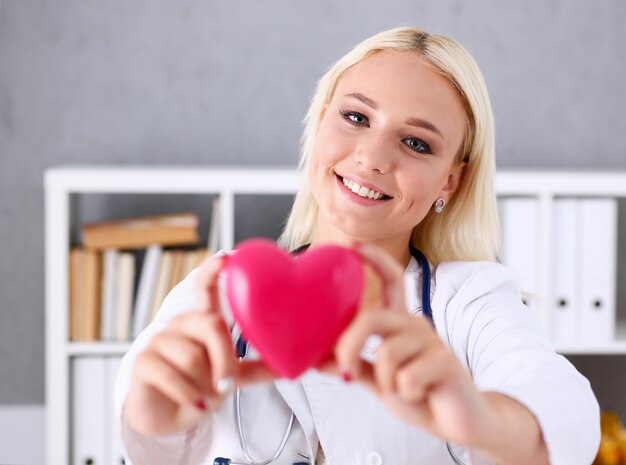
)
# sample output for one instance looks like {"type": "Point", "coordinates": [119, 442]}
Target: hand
{"type": "Point", "coordinates": [189, 368]}
{"type": "Point", "coordinates": [421, 381]}
{"type": "Point", "coordinates": [414, 373]}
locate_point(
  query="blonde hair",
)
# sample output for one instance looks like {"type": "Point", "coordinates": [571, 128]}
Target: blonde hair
{"type": "Point", "coordinates": [468, 229]}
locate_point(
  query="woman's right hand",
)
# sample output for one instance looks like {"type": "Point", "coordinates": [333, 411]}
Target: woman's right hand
{"type": "Point", "coordinates": [188, 369]}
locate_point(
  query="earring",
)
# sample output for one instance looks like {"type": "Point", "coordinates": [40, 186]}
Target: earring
{"type": "Point", "coordinates": [439, 204]}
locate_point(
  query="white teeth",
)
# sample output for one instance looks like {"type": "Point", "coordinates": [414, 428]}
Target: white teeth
{"type": "Point", "coordinates": [362, 190]}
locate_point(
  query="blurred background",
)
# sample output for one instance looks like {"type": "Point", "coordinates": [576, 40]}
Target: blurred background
{"type": "Point", "coordinates": [227, 83]}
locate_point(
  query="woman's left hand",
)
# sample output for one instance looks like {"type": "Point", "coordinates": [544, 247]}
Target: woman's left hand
{"type": "Point", "coordinates": [421, 380]}
{"type": "Point", "coordinates": [414, 373]}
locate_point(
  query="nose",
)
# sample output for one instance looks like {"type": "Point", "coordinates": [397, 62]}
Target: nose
{"type": "Point", "coordinates": [375, 153]}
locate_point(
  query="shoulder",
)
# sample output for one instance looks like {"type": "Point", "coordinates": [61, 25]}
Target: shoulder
{"type": "Point", "coordinates": [472, 296]}
{"type": "Point", "coordinates": [475, 278]}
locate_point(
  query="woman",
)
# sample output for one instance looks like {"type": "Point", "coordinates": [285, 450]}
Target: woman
{"type": "Point", "coordinates": [399, 151]}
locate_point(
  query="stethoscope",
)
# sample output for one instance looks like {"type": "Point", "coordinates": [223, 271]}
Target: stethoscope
{"type": "Point", "coordinates": [241, 347]}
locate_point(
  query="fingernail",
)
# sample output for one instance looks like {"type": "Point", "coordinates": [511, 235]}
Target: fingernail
{"type": "Point", "coordinates": [201, 405]}
{"type": "Point", "coordinates": [346, 376]}
{"type": "Point", "coordinates": [225, 385]}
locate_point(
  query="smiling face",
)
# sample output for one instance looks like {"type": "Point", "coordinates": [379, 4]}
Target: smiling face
{"type": "Point", "coordinates": [385, 150]}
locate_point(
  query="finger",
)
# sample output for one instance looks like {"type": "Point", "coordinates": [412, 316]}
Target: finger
{"type": "Point", "coordinates": [350, 343]}
{"type": "Point", "coordinates": [187, 355]}
{"type": "Point", "coordinates": [211, 332]}
{"type": "Point", "coordinates": [329, 366]}
{"type": "Point", "coordinates": [207, 299]}
{"type": "Point", "coordinates": [421, 374]}
{"type": "Point", "coordinates": [254, 371]}
{"type": "Point", "coordinates": [390, 272]}
{"type": "Point", "coordinates": [366, 377]}
{"type": "Point", "coordinates": [190, 356]}
{"type": "Point", "coordinates": [391, 354]}
{"type": "Point", "coordinates": [223, 362]}
{"type": "Point", "coordinates": [366, 373]}
{"type": "Point", "coordinates": [158, 373]}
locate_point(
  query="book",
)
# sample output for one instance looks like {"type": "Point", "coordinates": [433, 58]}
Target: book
{"type": "Point", "coordinates": [108, 299]}
{"type": "Point", "coordinates": [126, 271]}
{"type": "Point", "coordinates": [189, 262]}
{"type": "Point", "coordinates": [88, 420]}
{"type": "Point", "coordinates": [92, 282]}
{"type": "Point", "coordinates": [140, 232]}
{"type": "Point", "coordinates": [177, 269]}
{"type": "Point", "coordinates": [565, 309]}
{"type": "Point", "coordinates": [162, 282]}
{"type": "Point", "coordinates": [193, 259]}
{"type": "Point", "coordinates": [113, 440]}
{"type": "Point", "coordinates": [77, 258]}
{"type": "Point", "coordinates": [520, 242]}
{"type": "Point", "coordinates": [597, 226]}
{"type": "Point", "coordinates": [213, 239]}
{"type": "Point", "coordinates": [146, 288]}
{"type": "Point", "coordinates": [96, 435]}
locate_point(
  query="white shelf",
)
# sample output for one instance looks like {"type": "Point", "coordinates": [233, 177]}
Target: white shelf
{"type": "Point", "coordinates": [613, 348]}
{"type": "Point", "coordinates": [173, 180]}
{"type": "Point", "coordinates": [562, 183]}
{"type": "Point", "coordinates": [616, 347]}
{"type": "Point", "coordinates": [74, 349]}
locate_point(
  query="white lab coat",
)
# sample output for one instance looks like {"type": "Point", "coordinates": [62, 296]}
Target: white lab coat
{"type": "Point", "coordinates": [479, 314]}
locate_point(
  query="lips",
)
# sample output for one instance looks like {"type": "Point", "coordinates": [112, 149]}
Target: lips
{"type": "Point", "coordinates": [365, 190]}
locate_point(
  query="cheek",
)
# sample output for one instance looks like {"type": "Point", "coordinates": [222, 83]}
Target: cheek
{"type": "Point", "coordinates": [321, 158]}
{"type": "Point", "coordinates": [331, 145]}
{"type": "Point", "coordinates": [429, 182]}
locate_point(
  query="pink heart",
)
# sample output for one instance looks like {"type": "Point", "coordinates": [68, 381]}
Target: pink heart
{"type": "Point", "coordinates": [292, 309]}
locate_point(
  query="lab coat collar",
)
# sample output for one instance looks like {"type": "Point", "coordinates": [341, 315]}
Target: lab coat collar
{"type": "Point", "coordinates": [294, 395]}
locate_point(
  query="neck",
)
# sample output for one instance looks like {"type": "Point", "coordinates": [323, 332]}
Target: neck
{"type": "Point", "coordinates": [373, 286]}
{"type": "Point", "coordinates": [397, 247]}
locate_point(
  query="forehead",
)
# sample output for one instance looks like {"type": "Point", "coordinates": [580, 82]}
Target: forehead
{"type": "Point", "coordinates": [402, 68]}
{"type": "Point", "coordinates": [404, 72]}
{"type": "Point", "coordinates": [402, 82]}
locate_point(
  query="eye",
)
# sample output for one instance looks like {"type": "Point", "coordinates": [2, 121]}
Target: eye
{"type": "Point", "coordinates": [354, 117]}
{"type": "Point", "coordinates": [417, 145]}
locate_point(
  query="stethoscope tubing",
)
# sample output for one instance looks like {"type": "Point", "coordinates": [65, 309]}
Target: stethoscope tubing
{"type": "Point", "coordinates": [242, 438]}
{"type": "Point", "coordinates": [425, 266]}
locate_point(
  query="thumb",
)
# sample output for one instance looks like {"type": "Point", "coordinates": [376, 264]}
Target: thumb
{"type": "Point", "coordinates": [207, 298]}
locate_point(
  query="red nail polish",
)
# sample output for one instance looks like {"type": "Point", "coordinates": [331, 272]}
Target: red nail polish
{"type": "Point", "coordinates": [346, 376]}
{"type": "Point", "coordinates": [201, 405]}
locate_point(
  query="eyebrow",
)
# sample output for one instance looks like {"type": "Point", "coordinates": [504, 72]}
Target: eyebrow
{"type": "Point", "coordinates": [366, 100]}
{"type": "Point", "coordinates": [417, 122]}
{"type": "Point", "coordinates": [422, 123]}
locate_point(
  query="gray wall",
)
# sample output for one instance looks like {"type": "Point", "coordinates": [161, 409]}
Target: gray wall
{"type": "Point", "coordinates": [227, 82]}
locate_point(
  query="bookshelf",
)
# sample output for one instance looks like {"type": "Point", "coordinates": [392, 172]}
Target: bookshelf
{"type": "Point", "coordinates": [61, 183]}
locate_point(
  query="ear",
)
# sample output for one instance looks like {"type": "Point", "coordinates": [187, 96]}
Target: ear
{"type": "Point", "coordinates": [454, 181]}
